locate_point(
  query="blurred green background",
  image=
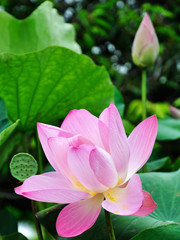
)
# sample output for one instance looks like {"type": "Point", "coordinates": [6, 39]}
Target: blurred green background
{"type": "Point", "coordinates": [105, 31]}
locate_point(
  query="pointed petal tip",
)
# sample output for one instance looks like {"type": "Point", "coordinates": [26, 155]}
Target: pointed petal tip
{"type": "Point", "coordinates": [18, 190]}
{"type": "Point", "coordinates": [148, 206]}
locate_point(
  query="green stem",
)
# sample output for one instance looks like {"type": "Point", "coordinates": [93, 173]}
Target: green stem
{"type": "Point", "coordinates": [144, 99]}
{"type": "Point", "coordinates": [109, 225]}
{"type": "Point", "coordinates": [143, 94]}
{"type": "Point", "coordinates": [38, 227]}
{"type": "Point", "coordinates": [39, 153]}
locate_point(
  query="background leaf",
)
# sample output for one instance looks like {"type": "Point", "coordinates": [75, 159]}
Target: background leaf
{"type": "Point", "coordinates": [158, 164]}
{"type": "Point", "coordinates": [9, 137]}
{"type": "Point", "coordinates": [168, 129]}
{"type": "Point", "coordinates": [4, 122]}
{"type": "Point", "coordinates": [43, 28]}
{"type": "Point", "coordinates": [8, 223]}
{"type": "Point", "coordinates": [44, 86]}
{"type": "Point", "coordinates": [165, 190]}
{"type": "Point", "coordinates": [14, 236]}
{"type": "Point", "coordinates": [169, 232]}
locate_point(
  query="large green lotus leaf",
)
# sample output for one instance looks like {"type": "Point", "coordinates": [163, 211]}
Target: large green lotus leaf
{"type": "Point", "coordinates": [43, 28]}
{"type": "Point", "coordinates": [44, 86]}
{"type": "Point", "coordinates": [165, 190]}
{"type": "Point", "coordinates": [168, 232]}
{"type": "Point", "coordinates": [168, 129]}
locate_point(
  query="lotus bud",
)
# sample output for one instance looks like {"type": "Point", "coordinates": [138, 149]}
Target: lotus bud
{"type": "Point", "coordinates": [175, 112]}
{"type": "Point", "coordinates": [145, 47]}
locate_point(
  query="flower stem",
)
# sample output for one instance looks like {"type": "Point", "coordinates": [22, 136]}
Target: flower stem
{"type": "Point", "coordinates": [39, 155]}
{"type": "Point", "coordinates": [143, 94]}
{"type": "Point", "coordinates": [109, 225]}
{"type": "Point", "coordinates": [144, 98]}
{"type": "Point", "coordinates": [38, 227]}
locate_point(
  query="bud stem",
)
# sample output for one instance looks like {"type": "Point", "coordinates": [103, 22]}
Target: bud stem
{"type": "Point", "coordinates": [109, 225]}
{"type": "Point", "coordinates": [143, 94]}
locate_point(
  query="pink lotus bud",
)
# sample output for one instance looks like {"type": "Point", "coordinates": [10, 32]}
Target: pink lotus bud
{"type": "Point", "coordinates": [175, 112]}
{"type": "Point", "coordinates": [145, 46]}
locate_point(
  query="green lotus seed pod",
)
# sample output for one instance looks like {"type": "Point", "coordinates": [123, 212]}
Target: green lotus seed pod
{"type": "Point", "coordinates": [23, 166]}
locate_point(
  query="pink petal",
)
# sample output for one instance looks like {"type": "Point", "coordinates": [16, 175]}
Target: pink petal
{"type": "Point", "coordinates": [104, 128]}
{"type": "Point", "coordinates": [118, 142]}
{"type": "Point", "coordinates": [124, 201]}
{"type": "Point", "coordinates": [141, 142]}
{"type": "Point", "coordinates": [103, 167]}
{"type": "Point", "coordinates": [78, 217]}
{"type": "Point", "coordinates": [59, 147]}
{"type": "Point", "coordinates": [147, 207]}
{"type": "Point", "coordinates": [84, 123]}
{"type": "Point", "coordinates": [148, 24]}
{"type": "Point", "coordinates": [78, 160]}
{"type": "Point", "coordinates": [50, 187]}
{"type": "Point", "coordinates": [45, 131]}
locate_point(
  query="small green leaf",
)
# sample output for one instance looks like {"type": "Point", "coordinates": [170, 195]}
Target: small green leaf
{"type": "Point", "coordinates": [9, 138]}
{"type": "Point", "coordinates": [23, 166]}
{"type": "Point", "coordinates": [168, 129]}
{"type": "Point", "coordinates": [43, 28]}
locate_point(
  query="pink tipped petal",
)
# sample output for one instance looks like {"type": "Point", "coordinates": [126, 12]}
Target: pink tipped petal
{"type": "Point", "coordinates": [147, 207]}
{"type": "Point", "coordinates": [78, 217]}
{"type": "Point", "coordinates": [118, 142]}
{"type": "Point", "coordinates": [50, 187]}
{"type": "Point", "coordinates": [59, 148]}
{"type": "Point", "coordinates": [124, 201]}
{"type": "Point", "coordinates": [84, 123]}
{"type": "Point", "coordinates": [141, 141]}
{"type": "Point", "coordinates": [148, 24]}
{"type": "Point", "coordinates": [45, 131]}
{"type": "Point", "coordinates": [103, 167]}
{"type": "Point", "coordinates": [104, 128]}
{"type": "Point", "coordinates": [78, 160]}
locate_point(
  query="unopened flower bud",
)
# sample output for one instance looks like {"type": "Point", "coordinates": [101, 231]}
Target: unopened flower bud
{"type": "Point", "coordinates": [145, 46]}
{"type": "Point", "coordinates": [175, 112]}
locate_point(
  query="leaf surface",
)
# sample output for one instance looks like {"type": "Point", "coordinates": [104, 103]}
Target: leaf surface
{"type": "Point", "coordinates": [165, 190]}
{"type": "Point", "coordinates": [44, 86]}
{"type": "Point", "coordinates": [43, 28]}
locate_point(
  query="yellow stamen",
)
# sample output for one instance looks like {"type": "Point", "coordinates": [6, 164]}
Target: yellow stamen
{"type": "Point", "coordinates": [116, 211]}
{"type": "Point", "coordinates": [112, 199]}
{"type": "Point", "coordinates": [120, 181]}
{"type": "Point", "coordinates": [124, 207]}
{"type": "Point", "coordinates": [81, 187]}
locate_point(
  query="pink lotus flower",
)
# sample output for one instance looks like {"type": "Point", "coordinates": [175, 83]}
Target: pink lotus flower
{"type": "Point", "coordinates": [95, 165]}
{"type": "Point", "coordinates": [145, 46]}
